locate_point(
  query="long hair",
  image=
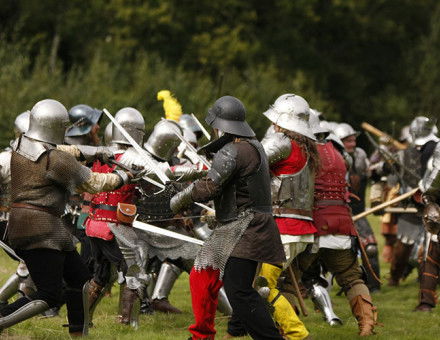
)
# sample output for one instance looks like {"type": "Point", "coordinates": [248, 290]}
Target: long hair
{"type": "Point", "coordinates": [307, 146]}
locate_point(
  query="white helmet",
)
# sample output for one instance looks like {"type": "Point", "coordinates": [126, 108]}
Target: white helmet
{"type": "Point", "coordinates": [21, 123]}
{"type": "Point", "coordinates": [423, 130]}
{"type": "Point", "coordinates": [345, 130]}
{"type": "Point", "coordinates": [315, 123]}
{"type": "Point", "coordinates": [291, 112]}
{"type": "Point", "coordinates": [133, 122]}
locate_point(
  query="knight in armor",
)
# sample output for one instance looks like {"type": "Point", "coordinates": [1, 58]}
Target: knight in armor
{"type": "Point", "coordinates": [42, 178]}
{"type": "Point", "coordinates": [337, 235]}
{"type": "Point", "coordinates": [358, 175]}
{"type": "Point", "coordinates": [410, 231]}
{"type": "Point", "coordinates": [430, 268]}
{"type": "Point", "coordinates": [246, 233]}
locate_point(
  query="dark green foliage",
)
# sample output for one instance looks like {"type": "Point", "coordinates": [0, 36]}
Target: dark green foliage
{"type": "Point", "coordinates": [354, 60]}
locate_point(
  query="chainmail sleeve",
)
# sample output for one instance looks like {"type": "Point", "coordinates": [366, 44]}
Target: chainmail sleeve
{"type": "Point", "coordinates": [66, 171]}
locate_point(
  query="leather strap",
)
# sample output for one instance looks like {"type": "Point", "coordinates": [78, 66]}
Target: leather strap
{"type": "Point", "coordinates": [104, 207]}
{"type": "Point", "coordinates": [329, 202]}
{"type": "Point", "coordinates": [34, 207]}
{"type": "Point", "coordinates": [283, 210]}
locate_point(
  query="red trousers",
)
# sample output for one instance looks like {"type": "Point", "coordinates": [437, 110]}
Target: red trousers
{"type": "Point", "coordinates": [204, 286]}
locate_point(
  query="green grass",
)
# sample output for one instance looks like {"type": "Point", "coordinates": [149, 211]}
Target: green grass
{"type": "Point", "coordinates": [394, 304]}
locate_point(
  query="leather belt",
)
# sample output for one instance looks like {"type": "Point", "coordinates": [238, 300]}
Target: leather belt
{"type": "Point", "coordinates": [34, 207]}
{"type": "Point", "coordinates": [330, 202]}
{"type": "Point", "coordinates": [283, 210]}
{"type": "Point", "coordinates": [103, 207]}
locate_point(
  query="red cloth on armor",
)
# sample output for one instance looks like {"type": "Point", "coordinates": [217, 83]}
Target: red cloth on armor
{"type": "Point", "coordinates": [96, 223]}
{"type": "Point", "coordinates": [204, 286]}
{"type": "Point", "coordinates": [330, 185]}
{"type": "Point", "coordinates": [291, 165]}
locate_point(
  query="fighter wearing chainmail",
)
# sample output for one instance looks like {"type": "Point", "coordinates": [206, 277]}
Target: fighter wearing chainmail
{"type": "Point", "coordinates": [358, 175]}
{"type": "Point", "coordinates": [42, 178]}
{"type": "Point", "coordinates": [414, 162]}
{"type": "Point", "coordinates": [430, 187]}
{"type": "Point", "coordinates": [334, 246]}
{"type": "Point", "coordinates": [239, 183]}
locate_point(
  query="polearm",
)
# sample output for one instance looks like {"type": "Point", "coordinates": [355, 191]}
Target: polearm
{"type": "Point", "coordinates": [385, 204]}
{"type": "Point", "coordinates": [379, 133]}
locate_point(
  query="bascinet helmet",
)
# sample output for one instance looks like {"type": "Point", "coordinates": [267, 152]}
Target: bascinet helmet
{"type": "Point", "coordinates": [133, 122]}
{"type": "Point", "coordinates": [163, 142]}
{"type": "Point", "coordinates": [21, 123]}
{"type": "Point", "coordinates": [423, 130]}
{"type": "Point", "coordinates": [187, 122]}
{"type": "Point", "coordinates": [48, 121]}
{"type": "Point", "coordinates": [291, 112]}
{"type": "Point", "coordinates": [82, 117]}
{"type": "Point", "coordinates": [228, 114]}
{"type": "Point", "coordinates": [344, 130]}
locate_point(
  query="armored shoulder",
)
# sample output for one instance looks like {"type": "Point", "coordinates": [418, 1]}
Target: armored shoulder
{"type": "Point", "coordinates": [431, 181]}
{"type": "Point", "coordinates": [224, 164]}
{"type": "Point", "coordinates": [361, 162]}
{"type": "Point", "coordinates": [277, 147]}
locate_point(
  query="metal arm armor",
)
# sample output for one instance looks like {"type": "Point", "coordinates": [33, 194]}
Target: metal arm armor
{"type": "Point", "coordinates": [277, 147]}
{"type": "Point", "coordinates": [430, 183]}
{"type": "Point", "coordinates": [223, 164]}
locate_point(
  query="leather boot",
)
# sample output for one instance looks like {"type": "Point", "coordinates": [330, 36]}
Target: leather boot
{"type": "Point", "coordinates": [163, 305]}
{"type": "Point", "coordinates": [130, 304]}
{"type": "Point", "coordinates": [387, 253]}
{"type": "Point", "coordinates": [168, 275]}
{"type": "Point", "coordinates": [429, 279]}
{"type": "Point", "coordinates": [400, 259]}
{"type": "Point", "coordinates": [365, 313]}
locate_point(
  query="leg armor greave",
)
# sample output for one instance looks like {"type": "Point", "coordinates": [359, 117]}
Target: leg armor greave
{"type": "Point", "coordinates": [322, 301]}
{"type": "Point", "coordinates": [25, 310]}
{"type": "Point", "coordinates": [224, 306]}
{"type": "Point", "coordinates": [168, 275]}
{"type": "Point", "coordinates": [9, 288]}
{"type": "Point", "coordinates": [130, 307]}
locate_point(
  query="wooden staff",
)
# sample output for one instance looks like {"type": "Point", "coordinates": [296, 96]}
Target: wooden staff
{"type": "Point", "coordinates": [385, 204]}
{"type": "Point", "coordinates": [379, 133]}
{"type": "Point", "coordinates": [302, 305]}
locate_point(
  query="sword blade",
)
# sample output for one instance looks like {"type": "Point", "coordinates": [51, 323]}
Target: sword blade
{"type": "Point", "coordinates": [160, 174]}
{"type": "Point", "coordinates": [206, 133]}
{"type": "Point", "coordinates": [164, 232]}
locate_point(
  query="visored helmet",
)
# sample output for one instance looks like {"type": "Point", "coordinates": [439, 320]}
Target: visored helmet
{"type": "Point", "coordinates": [163, 141]}
{"type": "Point", "coordinates": [344, 130]}
{"type": "Point", "coordinates": [133, 122]}
{"type": "Point", "coordinates": [82, 117]}
{"type": "Point", "coordinates": [228, 114]}
{"type": "Point", "coordinates": [291, 112]}
{"type": "Point", "coordinates": [48, 121]}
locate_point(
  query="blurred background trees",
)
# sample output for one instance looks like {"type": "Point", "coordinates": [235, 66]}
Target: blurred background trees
{"type": "Point", "coordinates": [354, 60]}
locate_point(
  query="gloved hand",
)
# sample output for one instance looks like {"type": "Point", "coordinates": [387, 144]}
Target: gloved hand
{"type": "Point", "coordinates": [104, 154]}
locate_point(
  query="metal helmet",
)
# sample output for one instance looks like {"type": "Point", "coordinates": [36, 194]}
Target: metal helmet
{"type": "Point", "coordinates": [187, 122]}
{"type": "Point", "coordinates": [108, 132]}
{"type": "Point", "coordinates": [133, 122]}
{"type": "Point", "coordinates": [163, 141]}
{"type": "Point", "coordinates": [423, 130]}
{"type": "Point", "coordinates": [344, 130]}
{"type": "Point", "coordinates": [48, 121]}
{"type": "Point", "coordinates": [21, 123]}
{"type": "Point", "coordinates": [82, 117]}
{"type": "Point", "coordinates": [315, 123]}
{"type": "Point", "coordinates": [228, 114]}
{"type": "Point", "coordinates": [291, 112]}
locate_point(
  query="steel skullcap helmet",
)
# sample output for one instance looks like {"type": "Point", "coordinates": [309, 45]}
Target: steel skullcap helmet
{"type": "Point", "coordinates": [133, 122]}
{"type": "Point", "coordinates": [291, 112]}
{"type": "Point", "coordinates": [228, 114]}
{"type": "Point", "coordinates": [48, 121]}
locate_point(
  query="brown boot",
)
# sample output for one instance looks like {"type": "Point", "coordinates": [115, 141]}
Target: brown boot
{"type": "Point", "coordinates": [387, 253]}
{"type": "Point", "coordinates": [128, 304]}
{"type": "Point", "coordinates": [423, 307]}
{"type": "Point", "coordinates": [164, 306]}
{"type": "Point", "coordinates": [400, 259]}
{"type": "Point", "coordinates": [365, 313]}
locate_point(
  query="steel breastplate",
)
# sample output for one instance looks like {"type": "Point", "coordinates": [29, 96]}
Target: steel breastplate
{"type": "Point", "coordinates": [292, 194]}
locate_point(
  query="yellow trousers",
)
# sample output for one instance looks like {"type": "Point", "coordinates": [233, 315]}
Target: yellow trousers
{"type": "Point", "coordinates": [284, 315]}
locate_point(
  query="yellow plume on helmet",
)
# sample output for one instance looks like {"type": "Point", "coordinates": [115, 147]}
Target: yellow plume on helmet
{"type": "Point", "coordinates": [172, 108]}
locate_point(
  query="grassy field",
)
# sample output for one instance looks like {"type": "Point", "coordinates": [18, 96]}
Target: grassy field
{"type": "Point", "coordinates": [394, 304]}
